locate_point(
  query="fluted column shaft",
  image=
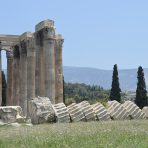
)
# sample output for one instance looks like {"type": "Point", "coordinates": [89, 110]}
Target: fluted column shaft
{"type": "Point", "coordinates": [9, 100]}
{"type": "Point", "coordinates": [59, 70]}
{"type": "Point", "coordinates": [49, 62]}
{"type": "Point", "coordinates": [49, 46]}
{"type": "Point", "coordinates": [40, 67]}
{"type": "Point", "coordinates": [16, 75]}
{"type": "Point", "coordinates": [0, 79]}
{"type": "Point", "coordinates": [23, 76]}
{"type": "Point", "coordinates": [30, 70]}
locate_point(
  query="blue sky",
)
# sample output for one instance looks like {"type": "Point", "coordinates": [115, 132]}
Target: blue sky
{"type": "Point", "coordinates": [97, 33]}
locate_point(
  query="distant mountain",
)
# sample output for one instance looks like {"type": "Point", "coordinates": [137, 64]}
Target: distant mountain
{"type": "Point", "coordinates": [92, 76]}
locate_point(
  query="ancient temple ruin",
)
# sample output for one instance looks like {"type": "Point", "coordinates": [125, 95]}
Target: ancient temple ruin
{"type": "Point", "coordinates": [34, 65]}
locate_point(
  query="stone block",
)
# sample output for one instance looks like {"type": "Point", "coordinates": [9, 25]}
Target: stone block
{"type": "Point", "coordinates": [41, 110]}
{"type": "Point", "coordinates": [145, 110]}
{"type": "Point", "coordinates": [75, 112]}
{"type": "Point", "coordinates": [44, 24]}
{"type": "Point", "coordinates": [26, 36]}
{"type": "Point", "coordinates": [87, 111]}
{"type": "Point", "coordinates": [61, 112]}
{"type": "Point", "coordinates": [117, 111]}
{"type": "Point", "coordinates": [134, 111]}
{"type": "Point", "coordinates": [10, 114]}
{"type": "Point", "coordinates": [100, 112]}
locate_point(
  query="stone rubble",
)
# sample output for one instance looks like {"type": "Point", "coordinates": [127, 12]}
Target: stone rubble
{"type": "Point", "coordinates": [41, 110]}
{"type": "Point", "coordinates": [10, 114]}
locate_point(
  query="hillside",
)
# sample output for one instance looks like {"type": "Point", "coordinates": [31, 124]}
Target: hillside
{"type": "Point", "coordinates": [128, 78]}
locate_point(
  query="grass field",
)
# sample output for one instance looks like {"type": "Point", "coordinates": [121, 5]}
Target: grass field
{"type": "Point", "coordinates": [111, 134]}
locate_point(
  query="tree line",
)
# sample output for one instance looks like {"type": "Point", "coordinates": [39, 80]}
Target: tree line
{"type": "Point", "coordinates": [79, 92]}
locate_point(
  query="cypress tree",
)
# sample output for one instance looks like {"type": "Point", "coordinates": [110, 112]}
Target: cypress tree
{"type": "Point", "coordinates": [141, 94]}
{"type": "Point", "coordinates": [4, 86]}
{"type": "Point", "coordinates": [115, 90]}
{"type": "Point", "coordinates": [63, 90]}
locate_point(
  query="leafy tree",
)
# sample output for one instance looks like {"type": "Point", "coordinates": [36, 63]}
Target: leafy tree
{"type": "Point", "coordinates": [115, 90]}
{"type": "Point", "coordinates": [78, 92]}
{"type": "Point", "coordinates": [141, 94]}
{"type": "Point", "coordinates": [4, 86]}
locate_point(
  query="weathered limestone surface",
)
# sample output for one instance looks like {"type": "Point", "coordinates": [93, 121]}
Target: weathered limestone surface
{"type": "Point", "coordinates": [41, 110]}
{"type": "Point", "coordinates": [0, 79]}
{"type": "Point", "coordinates": [134, 111]}
{"type": "Point", "coordinates": [10, 114]}
{"type": "Point", "coordinates": [75, 113]}
{"type": "Point", "coordinates": [9, 100]}
{"type": "Point", "coordinates": [58, 69]}
{"type": "Point", "coordinates": [87, 110]}
{"type": "Point", "coordinates": [23, 75]}
{"type": "Point", "coordinates": [145, 110]}
{"type": "Point", "coordinates": [46, 39]}
{"type": "Point", "coordinates": [100, 112]}
{"type": "Point", "coordinates": [40, 63]}
{"type": "Point", "coordinates": [49, 45]}
{"type": "Point", "coordinates": [16, 75]}
{"type": "Point", "coordinates": [117, 111]}
{"type": "Point", "coordinates": [37, 63]}
{"type": "Point", "coordinates": [30, 68]}
{"type": "Point", "coordinates": [61, 112]}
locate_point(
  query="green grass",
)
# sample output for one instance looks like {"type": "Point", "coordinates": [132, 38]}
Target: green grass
{"type": "Point", "coordinates": [111, 134]}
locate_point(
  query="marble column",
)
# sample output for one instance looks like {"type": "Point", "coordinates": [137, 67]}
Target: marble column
{"type": "Point", "coordinates": [59, 69]}
{"type": "Point", "coordinates": [0, 79]}
{"type": "Point", "coordinates": [16, 75]}
{"type": "Point", "coordinates": [30, 69]}
{"type": "Point", "coordinates": [46, 58]}
{"type": "Point", "coordinates": [23, 76]}
{"type": "Point", "coordinates": [49, 47]}
{"type": "Point", "coordinates": [9, 100]}
{"type": "Point", "coordinates": [40, 67]}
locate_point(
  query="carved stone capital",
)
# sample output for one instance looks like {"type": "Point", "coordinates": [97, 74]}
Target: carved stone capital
{"type": "Point", "coordinates": [27, 42]}
{"type": "Point", "coordinates": [44, 34]}
{"type": "Point", "coordinates": [9, 54]}
{"type": "Point", "coordinates": [26, 36]}
{"type": "Point", "coordinates": [23, 49]}
{"type": "Point", "coordinates": [49, 33]}
{"type": "Point", "coordinates": [59, 40]}
{"type": "Point", "coordinates": [16, 52]}
{"type": "Point", "coordinates": [39, 38]}
{"type": "Point", "coordinates": [30, 44]}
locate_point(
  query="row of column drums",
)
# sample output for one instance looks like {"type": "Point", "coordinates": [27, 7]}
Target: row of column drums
{"type": "Point", "coordinates": [35, 67]}
{"type": "Point", "coordinates": [42, 110]}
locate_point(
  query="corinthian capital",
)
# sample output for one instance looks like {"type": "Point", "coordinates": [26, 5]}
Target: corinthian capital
{"type": "Point", "coordinates": [59, 40]}
{"type": "Point", "coordinates": [9, 54]}
{"type": "Point", "coordinates": [31, 43]}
